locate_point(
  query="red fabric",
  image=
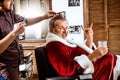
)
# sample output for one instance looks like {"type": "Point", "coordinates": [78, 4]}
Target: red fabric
{"type": "Point", "coordinates": [62, 59]}
{"type": "Point", "coordinates": [104, 67]}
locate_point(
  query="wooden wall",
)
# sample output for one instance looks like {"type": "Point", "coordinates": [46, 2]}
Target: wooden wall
{"type": "Point", "coordinates": [114, 25]}
{"type": "Point", "coordinates": [105, 14]}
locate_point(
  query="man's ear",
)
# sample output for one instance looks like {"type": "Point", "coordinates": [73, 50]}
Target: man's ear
{"type": "Point", "coordinates": [52, 30]}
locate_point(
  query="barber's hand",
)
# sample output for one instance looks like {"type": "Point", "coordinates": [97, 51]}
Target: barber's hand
{"type": "Point", "coordinates": [98, 53]}
{"type": "Point", "coordinates": [49, 14]}
{"type": "Point", "coordinates": [88, 31]}
{"type": "Point", "coordinates": [19, 28]}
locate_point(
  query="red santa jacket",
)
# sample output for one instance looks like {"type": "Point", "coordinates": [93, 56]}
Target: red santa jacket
{"type": "Point", "coordinates": [61, 56]}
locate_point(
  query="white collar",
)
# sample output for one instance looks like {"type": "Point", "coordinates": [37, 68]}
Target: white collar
{"type": "Point", "coordinates": [53, 37]}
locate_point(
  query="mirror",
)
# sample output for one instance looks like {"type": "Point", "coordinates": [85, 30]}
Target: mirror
{"type": "Point", "coordinates": [33, 8]}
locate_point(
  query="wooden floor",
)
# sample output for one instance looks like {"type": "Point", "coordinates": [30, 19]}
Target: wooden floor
{"type": "Point", "coordinates": [34, 77]}
{"type": "Point", "coordinates": [30, 79]}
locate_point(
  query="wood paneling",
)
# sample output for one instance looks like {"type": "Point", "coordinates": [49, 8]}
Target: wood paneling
{"type": "Point", "coordinates": [114, 39]}
{"type": "Point", "coordinates": [96, 11]}
{"type": "Point", "coordinates": [114, 12]}
{"type": "Point", "coordinates": [105, 14]}
{"type": "Point", "coordinates": [114, 26]}
{"type": "Point", "coordinates": [99, 33]}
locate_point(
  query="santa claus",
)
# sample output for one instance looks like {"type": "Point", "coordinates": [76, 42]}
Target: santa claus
{"type": "Point", "coordinates": [70, 58]}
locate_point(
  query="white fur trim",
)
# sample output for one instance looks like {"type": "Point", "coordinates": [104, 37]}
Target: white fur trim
{"type": "Point", "coordinates": [53, 37]}
{"type": "Point", "coordinates": [86, 48]}
{"type": "Point", "coordinates": [116, 71]}
{"type": "Point", "coordinates": [85, 63]}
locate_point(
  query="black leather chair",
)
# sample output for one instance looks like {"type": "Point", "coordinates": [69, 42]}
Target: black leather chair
{"type": "Point", "coordinates": [26, 64]}
{"type": "Point", "coordinates": [46, 71]}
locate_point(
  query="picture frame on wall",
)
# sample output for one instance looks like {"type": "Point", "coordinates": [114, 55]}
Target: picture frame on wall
{"type": "Point", "coordinates": [72, 3]}
{"type": "Point", "coordinates": [75, 29]}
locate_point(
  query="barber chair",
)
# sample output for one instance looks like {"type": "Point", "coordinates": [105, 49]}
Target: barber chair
{"type": "Point", "coordinates": [46, 71]}
{"type": "Point", "coordinates": [26, 65]}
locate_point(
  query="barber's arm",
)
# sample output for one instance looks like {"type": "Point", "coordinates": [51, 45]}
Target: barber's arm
{"type": "Point", "coordinates": [47, 15]}
{"type": "Point", "coordinates": [6, 41]}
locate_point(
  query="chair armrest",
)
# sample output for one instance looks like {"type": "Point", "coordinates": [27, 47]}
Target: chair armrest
{"type": "Point", "coordinates": [85, 76]}
{"type": "Point", "coordinates": [26, 65]}
{"type": "Point", "coordinates": [29, 64]}
{"type": "Point", "coordinates": [77, 77]}
{"type": "Point", "coordinates": [62, 78]}
{"type": "Point", "coordinates": [27, 57]}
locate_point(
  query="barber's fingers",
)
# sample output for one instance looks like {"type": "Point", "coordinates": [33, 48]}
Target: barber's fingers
{"type": "Point", "coordinates": [21, 24]}
{"type": "Point", "coordinates": [19, 27]}
{"type": "Point", "coordinates": [49, 14]}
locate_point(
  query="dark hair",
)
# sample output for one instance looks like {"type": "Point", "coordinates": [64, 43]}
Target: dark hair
{"type": "Point", "coordinates": [52, 22]}
{"type": "Point", "coordinates": [1, 0]}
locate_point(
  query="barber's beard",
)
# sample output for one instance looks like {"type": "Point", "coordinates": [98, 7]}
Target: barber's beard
{"type": "Point", "coordinates": [1, 8]}
{"type": "Point", "coordinates": [6, 9]}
